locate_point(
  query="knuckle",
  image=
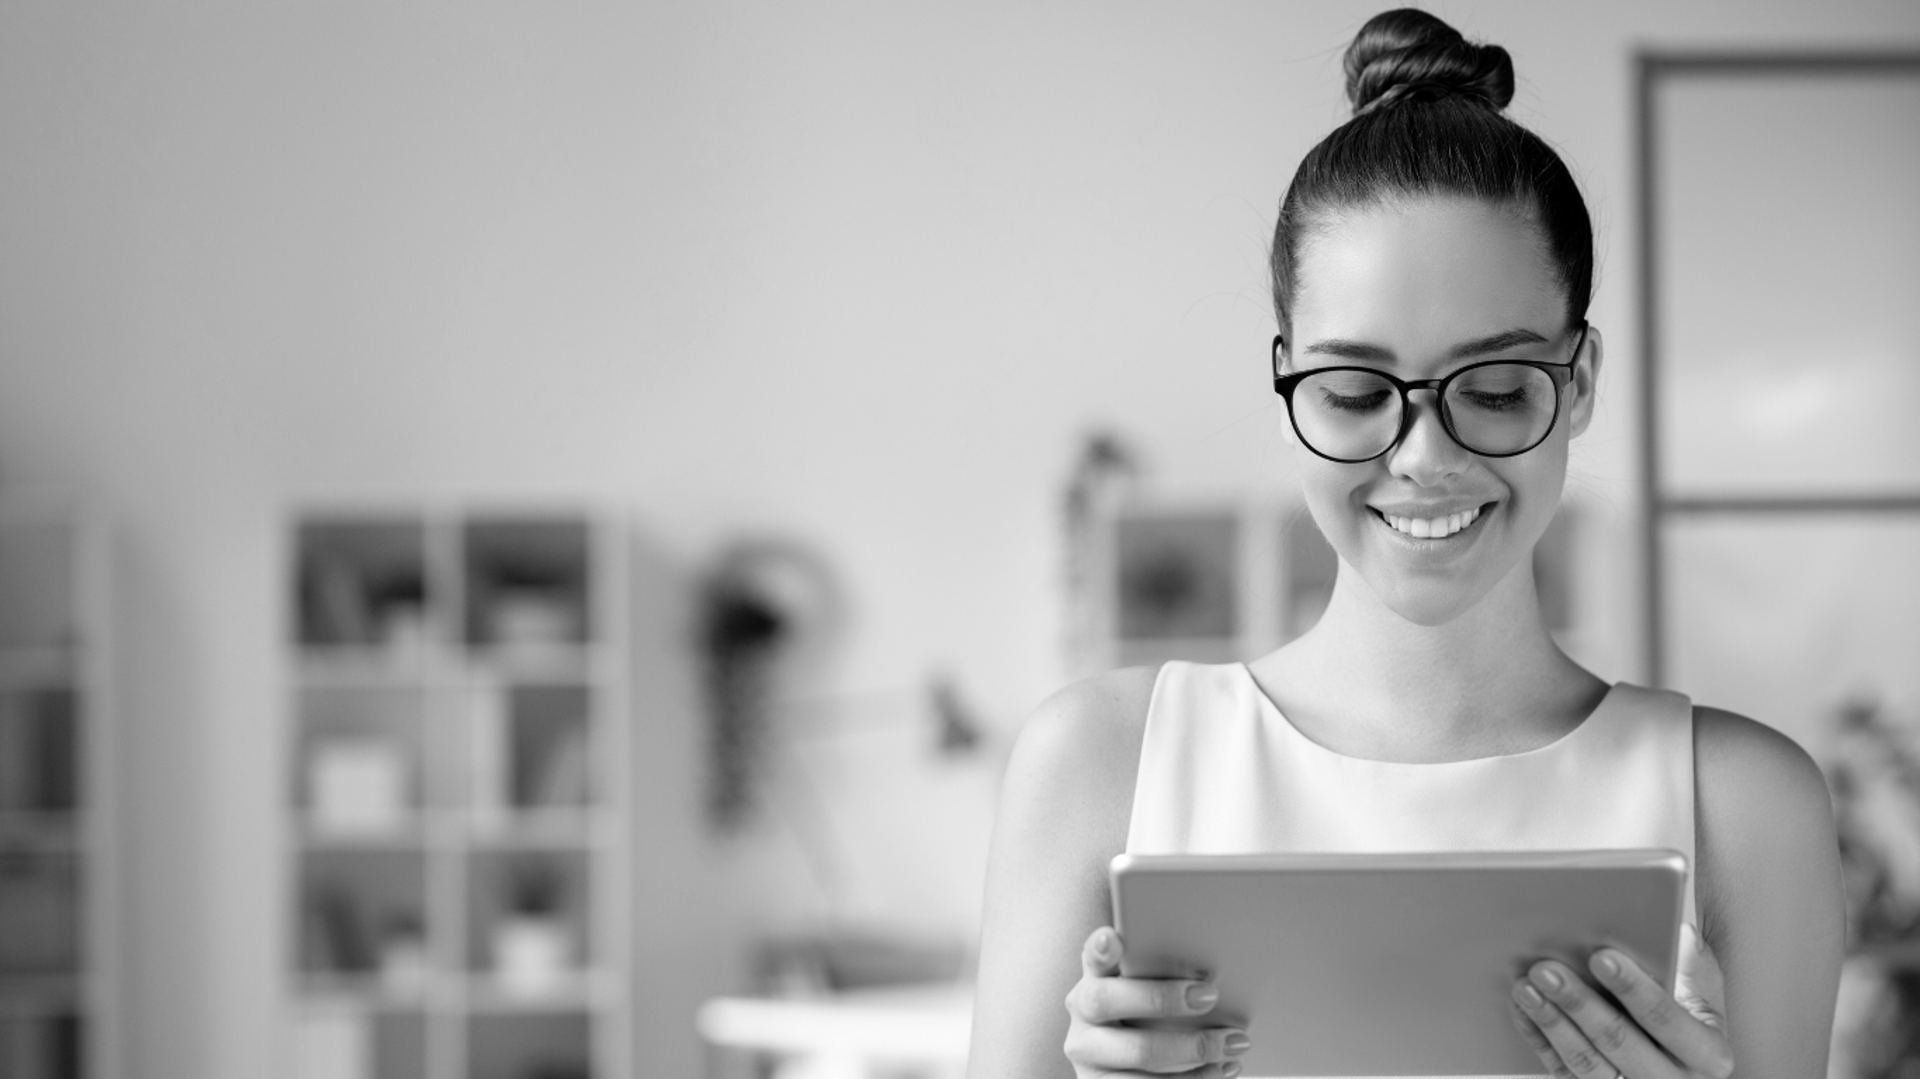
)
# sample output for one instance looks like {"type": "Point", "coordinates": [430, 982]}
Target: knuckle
{"type": "Point", "coordinates": [1203, 1046]}
{"type": "Point", "coordinates": [1076, 1001]}
{"type": "Point", "coordinates": [1611, 1035]}
{"type": "Point", "coordinates": [1135, 1053]}
{"type": "Point", "coordinates": [1581, 1060]}
{"type": "Point", "coordinates": [1659, 1011]}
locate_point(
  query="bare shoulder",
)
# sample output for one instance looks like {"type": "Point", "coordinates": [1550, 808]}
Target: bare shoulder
{"type": "Point", "coordinates": [1076, 756]}
{"type": "Point", "coordinates": [1756, 784]}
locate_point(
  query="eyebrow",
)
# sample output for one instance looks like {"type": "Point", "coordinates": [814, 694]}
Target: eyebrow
{"type": "Point", "coordinates": [1480, 346]}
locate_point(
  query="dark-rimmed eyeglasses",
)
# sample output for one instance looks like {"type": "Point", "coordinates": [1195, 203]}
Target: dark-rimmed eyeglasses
{"type": "Point", "coordinates": [1495, 408]}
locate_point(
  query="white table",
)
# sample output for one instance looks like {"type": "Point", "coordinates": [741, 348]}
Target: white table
{"type": "Point", "coordinates": [858, 1034]}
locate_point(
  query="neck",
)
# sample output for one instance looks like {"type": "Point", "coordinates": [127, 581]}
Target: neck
{"type": "Point", "coordinates": [1368, 682]}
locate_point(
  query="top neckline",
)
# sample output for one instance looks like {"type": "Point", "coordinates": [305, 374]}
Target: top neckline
{"type": "Point", "coordinates": [1268, 705]}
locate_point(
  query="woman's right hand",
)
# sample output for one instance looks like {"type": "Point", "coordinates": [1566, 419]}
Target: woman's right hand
{"type": "Point", "coordinates": [1102, 1047]}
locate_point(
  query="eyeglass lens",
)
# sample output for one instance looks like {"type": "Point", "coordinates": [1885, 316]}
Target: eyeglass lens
{"type": "Point", "coordinates": [1495, 409]}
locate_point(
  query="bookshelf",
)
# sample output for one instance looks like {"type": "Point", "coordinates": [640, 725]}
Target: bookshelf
{"type": "Point", "coordinates": [458, 716]}
{"type": "Point", "coordinates": [56, 1013]}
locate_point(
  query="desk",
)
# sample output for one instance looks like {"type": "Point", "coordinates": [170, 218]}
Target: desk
{"type": "Point", "coordinates": [917, 1030]}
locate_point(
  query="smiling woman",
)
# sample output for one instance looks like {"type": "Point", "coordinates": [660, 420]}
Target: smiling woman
{"type": "Point", "coordinates": [1432, 264]}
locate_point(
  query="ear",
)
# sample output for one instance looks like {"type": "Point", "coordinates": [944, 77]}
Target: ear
{"type": "Point", "coordinates": [1586, 381]}
{"type": "Point", "coordinates": [1281, 359]}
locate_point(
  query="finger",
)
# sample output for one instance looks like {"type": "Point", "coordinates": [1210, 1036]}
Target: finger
{"type": "Point", "coordinates": [1573, 1045]}
{"type": "Point", "coordinates": [1100, 955]}
{"type": "Point", "coordinates": [1227, 1070]}
{"type": "Point", "coordinates": [1692, 1042]}
{"type": "Point", "coordinates": [1538, 1042]}
{"type": "Point", "coordinates": [1111, 999]}
{"type": "Point", "coordinates": [1158, 1052]}
{"type": "Point", "coordinates": [1616, 1037]}
{"type": "Point", "coordinates": [1699, 985]}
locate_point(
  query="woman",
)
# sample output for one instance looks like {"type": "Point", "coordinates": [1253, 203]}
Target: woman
{"type": "Point", "coordinates": [1432, 266]}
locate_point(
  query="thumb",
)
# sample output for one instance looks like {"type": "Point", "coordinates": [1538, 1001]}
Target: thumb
{"type": "Point", "coordinates": [1100, 958]}
{"type": "Point", "coordinates": [1699, 987]}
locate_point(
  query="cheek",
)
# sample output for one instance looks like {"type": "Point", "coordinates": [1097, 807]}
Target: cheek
{"type": "Point", "coordinates": [1332, 494]}
{"type": "Point", "coordinates": [1535, 482]}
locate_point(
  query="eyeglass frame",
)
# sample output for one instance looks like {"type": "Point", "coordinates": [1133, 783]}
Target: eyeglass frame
{"type": "Point", "coordinates": [1558, 373]}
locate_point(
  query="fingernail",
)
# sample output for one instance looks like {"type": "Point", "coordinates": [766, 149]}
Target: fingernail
{"type": "Point", "coordinates": [1200, 997]}
{"type": "Point", "coordinates": [1608, 965]}
{"type": "Point", "coordinates": [1530, 996]}
{"type": "Point", "coordinates": [1230, 1069]}
{"type": "Point", "coordinates": [1103, 945]}
{"type": "Point", "coordinates": [1238, 1043]}
{"type": "Point", "coordinates": [1549, 977]}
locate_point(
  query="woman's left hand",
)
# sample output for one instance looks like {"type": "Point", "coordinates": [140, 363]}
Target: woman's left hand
{"type": "Point", "coordinates": [1580, 1033]}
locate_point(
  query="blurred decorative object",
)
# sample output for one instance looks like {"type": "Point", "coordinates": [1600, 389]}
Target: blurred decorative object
{"type": "Point", "coordinates": [959, 729]}
{"type": "Point", "coordinates": [358, 786]}
{"type": "Point", "coordinates": [363, 583]}
{"type": "Point", "coordinates": [532, 942]}
{"type": "Point", "coordinates": [532, 955]}
{"type": "Point", "coordinates": [762, 601]}
{"type": "Point", "coordinates": [531, 618]}
{"type": "Point", "coordinates": [404, 966]}
{"type": "Point", "coordinates": [1104, 473]}
{"type": "Point", "coordinates": [1875, 777]}
{"type": "Point", "coordinates": [526, 581]}
{"type": "Point", "coordinates": [1177, 575]}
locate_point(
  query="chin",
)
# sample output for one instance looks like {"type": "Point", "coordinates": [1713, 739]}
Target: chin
{"type": "Point", "coordinates": [1431, 607]}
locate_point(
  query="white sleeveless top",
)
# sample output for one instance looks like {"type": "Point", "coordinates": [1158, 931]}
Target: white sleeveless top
{"type": "Point", "coordinates": [1222, 771]}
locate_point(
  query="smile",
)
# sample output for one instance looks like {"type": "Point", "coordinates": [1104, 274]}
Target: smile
{"type": "Point", "coordinates": [1431, 527]}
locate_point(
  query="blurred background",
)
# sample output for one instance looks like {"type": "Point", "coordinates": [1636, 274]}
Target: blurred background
{"type": "Point", "coordinates": [528, 529]}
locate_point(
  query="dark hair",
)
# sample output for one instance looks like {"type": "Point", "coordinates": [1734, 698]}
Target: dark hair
{"type": "Point", "coordinates": [1427, 121]}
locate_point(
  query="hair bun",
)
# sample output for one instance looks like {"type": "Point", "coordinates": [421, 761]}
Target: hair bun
{"type": "Point", "coordinates": [1408, 54]}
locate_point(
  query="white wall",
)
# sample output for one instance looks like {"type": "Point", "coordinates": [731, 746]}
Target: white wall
{"type": "Point", "coordinates": [854, 272]}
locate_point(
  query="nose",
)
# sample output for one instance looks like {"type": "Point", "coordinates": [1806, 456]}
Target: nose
{"type": "Point", "coordinates": [1427, 454]}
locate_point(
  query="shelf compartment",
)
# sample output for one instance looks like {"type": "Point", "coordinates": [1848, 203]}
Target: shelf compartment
{"type": "Point", "coordinates": [526, 584]}
{"type": "Point", "coordinates": [365, 585]}
{"type": "Point", "coordinates": [364, 924]}
{"type": "Point", "coordinates": [40, 914]}
{"type": "Point", "coordinates": [40, 751]}
{"type": "Point", "coordinates": [552, 1045]}
{"type": "Point", "coordinates": [528, 920]}
{"type": "Point", "coordinates": [50, 1046]}
{"type": "Point", "coordinates": [360, 764]}
{"type": "Point", "coordinates": [531, 757]}
{"type": "Point", "coordinates": [346, 1042]}
{"type": "Point", "coordinates": [38, 602]}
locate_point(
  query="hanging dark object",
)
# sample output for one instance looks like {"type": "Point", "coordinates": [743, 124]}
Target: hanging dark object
{"type": "Point", "coordinates": [959, 730]}
{"type": "Point", "coordinates": [761, 605]}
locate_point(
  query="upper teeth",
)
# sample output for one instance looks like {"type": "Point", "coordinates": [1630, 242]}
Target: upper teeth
{"type": "Point", "coordinates": [1432, 527]}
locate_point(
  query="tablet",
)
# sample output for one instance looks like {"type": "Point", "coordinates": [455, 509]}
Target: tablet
{"type": "Point", "coordinates": [1389, 964]}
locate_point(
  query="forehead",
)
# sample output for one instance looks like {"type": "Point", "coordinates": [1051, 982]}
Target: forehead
{"type": "Point", "coordinates": [1424, 273]}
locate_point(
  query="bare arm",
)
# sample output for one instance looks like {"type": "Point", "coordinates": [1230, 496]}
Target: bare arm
{"type": "Point", "coordinates": [1064, 809]}
{"type": "Point", "coordinates": [1771, 903]}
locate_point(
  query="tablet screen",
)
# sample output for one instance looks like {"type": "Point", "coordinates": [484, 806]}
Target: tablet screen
{"type": "Point", "coordinates": [1389, 964]}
